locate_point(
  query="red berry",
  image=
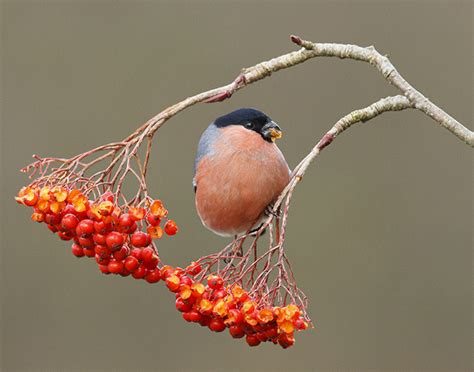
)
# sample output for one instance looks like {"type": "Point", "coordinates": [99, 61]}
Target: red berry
{"type": "Point", "coordinates": [137, 253]}
{"type": "Point", "coordinates": [69, 222]}
{"type": "Point", "coordinates": [85, 242]}
{"type": "Point", "coordinates": [114, 240]}
{"type": "Point", "coordinates": [102, 250]}
{"type": "Point", "coordinates": [85, 228]}
{"type": "Point", "coordinates": [252, 340]}
{"type": "Point", "coordinates": [216, 325]}
{"type": "Point", "coordinates": [236, 315]}
{"type": "Point", "coordinates": [131, 263]}
{"type": "Point", "coordinates": [77, 250]}
{"type": "Point", "coordinates": [261, 336]}
{"type": "Point", "coordinates": [132, 228]}
{"type": "Point", "coordinates": [170, 227]}
{"type": "Point", "coordinates": [272, 332]}
{"type": "Point", "coordinates": [301, 324]}
{"type": "Point", "coordinates": [115, 267]}
{"type": "Point", "coordinates": [194, 268]}
{"type": "Point", "coordinates": [121, 253]}
{"type": "Point", "coordinates": [204, 320]}
{"type": "Point", "coordinates": [153, 276]}
{"type": "Point", "coordinates": [147, 254]}
{"type": "Point", "coordinates": [182, 306]}
{"type": "Point", "coordinates": [215, 281]}
{"type": "Point", "coordinates": [186, 280]}
{"type": "Point", "coordinates": [140, 239]}
{"type": "Point", "coordinates": [101, 227]}
{"type": "Point", "coordinates": [124, 272]}
{"type": "Point", "coordinates": [65, 235]}
{"type": "Point", "coordinates": [99, 239]}
{"type": "Point", "coordinates": [52, 228]}
{"type": "Point", "coordinates": [194, 316]}
{"type": "Point", "coordinates": [221, 293]}
{"type": "Point", "coordinates": [153, 220]}
{"type": "Point", "coordinates": [52, 219]}
{"type": "Point", "coordinates": [151, 263]}
{"type": "Point", "coordinates": [166, 271]}
{"type": "Point", "coordinates": [140, 272]}
{"type": "Point", "coordinates": [102, 260]}
{"type": "Point", "coordinates": [285, 341]}
{"type": "Point", "coordinates": [104, 269]}
{"type": "Point", "coordinates": [89, 252]}
{"type": "Point", "coordinates": [125, 221]}
{"type": "Point", "coordinates": [236, 331]}
{"type": "Point", "coordinates": [186, 317]}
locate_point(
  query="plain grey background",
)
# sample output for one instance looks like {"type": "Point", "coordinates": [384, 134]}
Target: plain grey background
{"type": "Point", "coordinates": [380, 229]}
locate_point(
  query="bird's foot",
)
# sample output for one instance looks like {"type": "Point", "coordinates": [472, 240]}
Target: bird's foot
{"type": "Point", "coordinates": [270, 212]}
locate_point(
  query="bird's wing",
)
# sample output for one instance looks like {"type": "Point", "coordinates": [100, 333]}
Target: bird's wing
{"type": "Point", "coordinates": [205, 147]}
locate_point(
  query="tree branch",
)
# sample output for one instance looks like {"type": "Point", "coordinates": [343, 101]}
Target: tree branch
{"type": "Point", "coordinates": [385, 67]}
{"type": "Point", "coordinates": [391, 103]}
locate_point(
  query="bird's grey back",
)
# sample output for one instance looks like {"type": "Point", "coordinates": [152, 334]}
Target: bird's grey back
{"type": "Point", "coordinates": [205, 144]}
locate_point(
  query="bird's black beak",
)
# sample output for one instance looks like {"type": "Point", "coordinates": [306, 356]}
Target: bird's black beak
{"type": "Point", "coordinates": [271, 131]}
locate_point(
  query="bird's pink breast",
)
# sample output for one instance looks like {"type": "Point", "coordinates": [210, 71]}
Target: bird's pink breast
{"type": "Point", "coordinates": [242, 175]}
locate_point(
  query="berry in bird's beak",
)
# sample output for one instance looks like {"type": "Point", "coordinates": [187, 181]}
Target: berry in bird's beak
{"type": "Point", "coordinates": [271, 131]}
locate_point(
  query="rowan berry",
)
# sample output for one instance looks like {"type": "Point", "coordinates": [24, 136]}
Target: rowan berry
{"type": "Point", "coordinates": [182, 306]}
{"type": "Point", "coordinates": [153, 220]}
{"type": "Point", "coordinates": [85, 228]}
{"type": "Point", "coordinates": [115, 267]}
{"type": "Point", "coordinates": [64, 235]}
{"type": "Point", "coordinates": [85, 242]}
{"type": "Point", "coordinates": [153, 276]}
{"type": "Point", "coordinates": [140, 239]}
{"type": "Point", "coordinates": [69, 222]}
{"type": "Point", "coordinates": [214, 281]}
{"type": "Point", "coordinates": [99, 239]}
{"type": "Point", "coordinates": [171, 228]}
{"type": "Point", "coordinates": [252, 340]}
{"type": "Point", "coordinates": [140, 272]}
{"type": "Point", "coordinates": [77, 250]}
{"type": "Point", "coordinates": [131, 263]}
{"type": "Point", "coordinates": [216, 325]}
{"type": "Point", "coordinates": [89, 252]}
{"type": "Point", "coordinates": [194, 269]}
{"type": "Point", "coordinates": [236, 331]}
{"type": "Point", "coordinates": [101, 227]}
{"type": "Point", "coordinates": [114, 240]}
{"type": "Point", "coordinates": [121, 253]}
{"type": "Point", "coordinates": [104, 269]}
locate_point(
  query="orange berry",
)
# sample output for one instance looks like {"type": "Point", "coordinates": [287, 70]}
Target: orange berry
{"type": "Point", "coordinates": [37, 217]}
{"type": "Point", "coordinates": [157, 209]}
{"type": "Point", "coordinates": [172, 282]}
{"type": "Point", "coordinates": [156, 232]}
{"type": "Point", "coordinates": [171, 228]}
{"type": "Point", "coordinates": [137, 213]}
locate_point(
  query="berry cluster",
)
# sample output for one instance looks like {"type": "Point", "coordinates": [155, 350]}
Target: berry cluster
{"type": "Point", "coordinates": [219, 305]}
{"type": "Point", "coordinates": [102, 229]}
{"type": "Point", "coordinates": [121, 241]}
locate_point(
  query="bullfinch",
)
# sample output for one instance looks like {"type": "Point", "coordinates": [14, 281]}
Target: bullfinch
{"type": "Point", "coordinates": [238, 171]}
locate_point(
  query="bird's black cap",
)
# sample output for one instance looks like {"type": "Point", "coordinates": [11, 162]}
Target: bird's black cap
{"type": "Point", "coordinates": [241, 117]}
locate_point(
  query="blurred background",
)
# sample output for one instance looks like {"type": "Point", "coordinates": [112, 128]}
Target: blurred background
{"type": "Point", "coordinates": [380, 229]}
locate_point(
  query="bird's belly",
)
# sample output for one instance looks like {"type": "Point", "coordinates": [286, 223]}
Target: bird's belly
{"type": "Point", "coordinates": [233, 192]}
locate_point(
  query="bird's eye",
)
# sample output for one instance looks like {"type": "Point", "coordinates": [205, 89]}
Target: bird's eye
{"type": "Point", "coordinates": [249, 125]}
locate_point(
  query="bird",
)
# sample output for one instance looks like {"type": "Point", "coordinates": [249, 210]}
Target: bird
{"type": "Point", "coordinates": [238, 172]}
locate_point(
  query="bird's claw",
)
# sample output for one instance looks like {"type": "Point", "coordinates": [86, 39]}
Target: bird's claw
{"type": "Point", "coordinates": [270, 212]}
